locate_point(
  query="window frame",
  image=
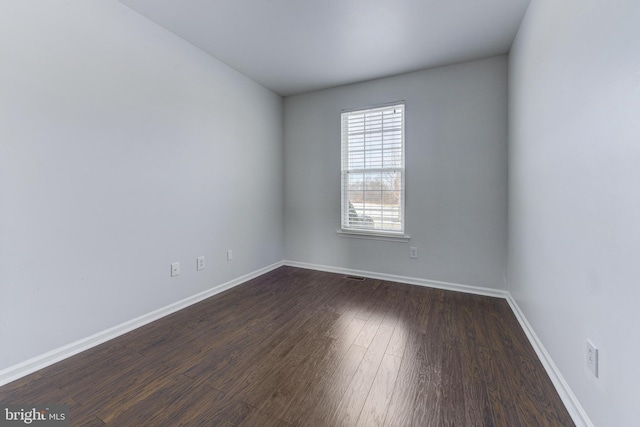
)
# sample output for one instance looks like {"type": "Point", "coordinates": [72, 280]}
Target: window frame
{"type": "Point", "coordinates": [364, 232]}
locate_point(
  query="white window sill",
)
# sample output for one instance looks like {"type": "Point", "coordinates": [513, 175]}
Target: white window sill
{"type": "Point", "coordinates": [374, 236]}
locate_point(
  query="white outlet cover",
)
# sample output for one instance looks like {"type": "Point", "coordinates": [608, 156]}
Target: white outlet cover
{"type": "Point", "coordinates": [200, 263]}
{"type": "Point", "coordinates": [175, 269]}
{"type": "Point", "coordinates": [413, 252]}
{"type": "Point", "coordinates": [229, 255]}
{"type": "Point", "coordinates": [592, 358]}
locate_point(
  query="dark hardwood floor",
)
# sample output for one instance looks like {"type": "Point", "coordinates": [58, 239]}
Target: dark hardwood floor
{"type": "Point", "coordinates": [300, 347]}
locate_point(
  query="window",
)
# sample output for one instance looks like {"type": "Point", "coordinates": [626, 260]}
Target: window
{"type": "Point", "coordinates": [373, 170]}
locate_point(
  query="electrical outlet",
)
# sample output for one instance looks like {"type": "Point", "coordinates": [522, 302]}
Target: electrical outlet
{"type": "Point", "coordinates": [229, 255]}
{"type": "Point", "coordinates": [175, 269]}
{"type": "Point", "coordinates": [200, 264]}
{"type": "Point", "coordinates": [413, 252]}
{"type": "Point", "coordinates": [592, 358]}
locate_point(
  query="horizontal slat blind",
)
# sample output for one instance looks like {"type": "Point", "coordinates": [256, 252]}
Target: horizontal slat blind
{"type": "Point", "coordinates": [373, 169]}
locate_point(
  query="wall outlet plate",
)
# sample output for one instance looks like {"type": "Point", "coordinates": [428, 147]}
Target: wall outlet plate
{"type": "Point", "coordinates": [200, 263]}
{"type": "Point", "coordinates": [413, 252]}
{"type": "Point", "coordinates": [229, 255]}
{"type": "Point", "coordinates": [175, 269]}
{"type": "Point", "coordinates": [592, 358]}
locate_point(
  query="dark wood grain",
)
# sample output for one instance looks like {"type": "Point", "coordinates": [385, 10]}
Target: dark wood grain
{"type": "Point", "coordinates": [298, 347]}
{"type": "Point", "coordinates": [478, 409]}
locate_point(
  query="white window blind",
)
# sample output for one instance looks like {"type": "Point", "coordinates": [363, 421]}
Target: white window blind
{"type": "Point", "coordinates": [373, 170]}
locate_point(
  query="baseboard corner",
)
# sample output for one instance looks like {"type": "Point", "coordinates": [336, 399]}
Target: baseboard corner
{"type": "Point", "coordinates": [575, 409]}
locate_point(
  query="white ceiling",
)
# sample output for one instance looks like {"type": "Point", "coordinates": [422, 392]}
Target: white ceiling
{"type": "Point", "coordinates": [296, 46]}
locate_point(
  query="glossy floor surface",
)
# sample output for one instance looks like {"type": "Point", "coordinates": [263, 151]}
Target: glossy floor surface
{"type": "Point", "coordinates": [301, 347]}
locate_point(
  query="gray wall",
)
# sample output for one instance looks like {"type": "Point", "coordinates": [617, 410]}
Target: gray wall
{"type": "Point", "coordinates": [456, 150]}
{"type": "Point", "coordinates": [123, 149]}
{"type": "Point", "coordinates": [574, 193]}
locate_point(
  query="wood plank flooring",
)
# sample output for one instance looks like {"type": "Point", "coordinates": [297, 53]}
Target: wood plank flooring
{"type": "Point", "coordinates": [298, 347]}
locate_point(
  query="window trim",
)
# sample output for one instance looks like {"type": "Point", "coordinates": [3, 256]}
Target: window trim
{"type": "Point", "coordinates": [370, 233]}
{"type": "Point", "coordinates": [388, 237]}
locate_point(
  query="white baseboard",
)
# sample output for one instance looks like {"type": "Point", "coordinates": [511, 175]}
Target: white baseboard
{"type": "Point", "coordinates": [477, 290]}
{"type": "Point", "coordinates": [575, 409]}
{"type": "Point", "coordinates": [27, 367]}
